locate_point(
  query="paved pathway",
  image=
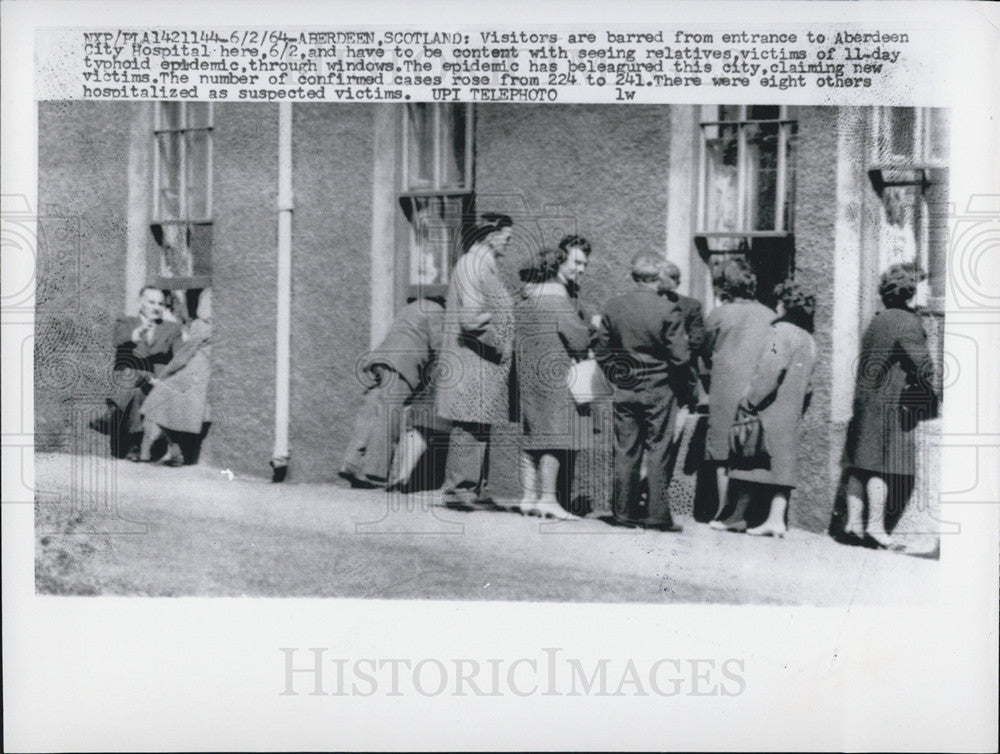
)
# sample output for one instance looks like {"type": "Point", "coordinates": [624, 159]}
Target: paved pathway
{"type": "Point", "coordinates": [197, 531]}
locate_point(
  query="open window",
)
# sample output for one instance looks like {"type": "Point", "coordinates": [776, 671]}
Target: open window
{"type": "Point", "coordinates": [435, 192]}
{"type": "Point", "coordinates": [181, 217]}
{"type": "Point", "coordinates": [746, 190]}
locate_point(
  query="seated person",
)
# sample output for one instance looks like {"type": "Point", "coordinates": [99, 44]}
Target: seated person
{"type": "Point", "coordinates": [143, 345]}
{"type": "Point", "coordinates": [398, 371]}
{"type": "Point", "coordinates": [178, 401]}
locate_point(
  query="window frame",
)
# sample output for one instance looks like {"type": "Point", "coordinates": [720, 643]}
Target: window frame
{"type": "Point", "coordinates": [762, 248]}
{"type": "Point", "coordinates": [922, 155]}
{"type": "Point", "coordinates": [787, 133]}
{"type": "Point", "coordinates": [184, 128]}
{"type": "Point", "coordinates": [406, 288]}
{"type": "Point", "coordinates": [184, 222]}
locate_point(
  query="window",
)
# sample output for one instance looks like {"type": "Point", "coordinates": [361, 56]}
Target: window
{"type": "Point", "coordinates": [909, 154]}
{"type": "Point", "coordinates": [909, 136]}
{"type": "Point", "coordinates": [436, 191]}
{"type": "Point", "coordinates": [747, 188]}
{"type": "Point", "coordinates": [182, 191]}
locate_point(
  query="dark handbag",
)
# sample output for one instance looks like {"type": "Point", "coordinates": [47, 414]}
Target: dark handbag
{"type": "Point", "coordinates": [747, 446]}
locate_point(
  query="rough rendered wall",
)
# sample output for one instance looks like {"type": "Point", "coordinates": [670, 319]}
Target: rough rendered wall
{"type": "Point", "coordinates": [331, 270]}
{"type": "Point", "coordinates": [596, 170]}
{"type": "Point", "coordinates": [600, 171]}
{"type": "Point", "coordinates": [244, 271]}
{"type": "Point", "coordinates": [83, 153]}
{"type": "Point", "coordinates": [815, 221]}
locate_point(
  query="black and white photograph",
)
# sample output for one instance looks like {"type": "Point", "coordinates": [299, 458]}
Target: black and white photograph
{"type": "Point", "coordinates": [445, 345]}
{"type": "Point", "coordinates": [376, 379]}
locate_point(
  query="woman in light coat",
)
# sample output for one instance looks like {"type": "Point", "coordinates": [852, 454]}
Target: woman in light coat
{"type": "Point", "coordinates": [735, 333]}
{"type": "Point", "coordinates": [779, 393]}
{"type": "Point", "coordinates": [178, 401]}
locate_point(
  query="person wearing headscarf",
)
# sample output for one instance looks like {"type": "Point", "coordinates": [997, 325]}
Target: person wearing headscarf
{"type": "Point", "coordinates": [778, 394]}
{"type": "Point", "coordinates": [895, 390]}
{"type": "Point", "coordinates": [735, 333]}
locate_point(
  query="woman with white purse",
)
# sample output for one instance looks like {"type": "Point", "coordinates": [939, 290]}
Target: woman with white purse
{"type": "Point", "coordinates": [550, 337]}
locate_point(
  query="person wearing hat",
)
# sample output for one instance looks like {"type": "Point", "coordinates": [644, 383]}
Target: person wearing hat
{"type": "Point", "coordinates": [475, 362]}
{"type": "Point", "coordinates": [894, 392]}
{"type": "Point", "coordinates": [778, 394]}
{"type": "Point", "coordinates": [642, 348]}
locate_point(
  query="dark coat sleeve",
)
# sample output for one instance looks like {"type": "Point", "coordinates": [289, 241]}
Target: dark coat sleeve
{"type": "Point", "coordinates": [573, 332]}
{"type": "Point", "coordinates": [125, 356]}
{"type": "Point", "coordinates": [695, 326]}
{"type": "Point", "coordinates": [122, 336]}
{"type": "Point", "coordinates": [914, 356]}
{"type": "Point", "coordinates": [674, 340]}
{"type": "Point", "coordinates": [605, 343]}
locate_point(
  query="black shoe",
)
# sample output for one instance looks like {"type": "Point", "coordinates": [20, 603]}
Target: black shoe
{"type": "Point", "coordinates": [106, 422]}
{"type": "Point", "coordinates": [357, 480]}
{"type": "Point", "coordinates": [470, 505]}
{"type": "Point", "coordinates": [673, 528]}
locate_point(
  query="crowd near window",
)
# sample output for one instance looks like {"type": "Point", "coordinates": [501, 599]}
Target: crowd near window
{"type": "Point", "coordinates": [747, 187]}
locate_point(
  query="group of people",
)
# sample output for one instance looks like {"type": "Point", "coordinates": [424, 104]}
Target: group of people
{"type": "Point", "coordinates": [161, 371]}
{"type": "Point", "coordinates": [497, 352]}
{"type": "Point", "coordinates": [494, 353]}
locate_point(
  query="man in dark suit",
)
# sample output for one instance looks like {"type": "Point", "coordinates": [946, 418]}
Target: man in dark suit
{"type": "Point", "coordinates": [694, 325]}
{"type": "Point", "coordinates": [398, 371]}
{"type": "Point", "coordinates": [144, 344]}
{"type": "Point", "coordinates": [642, 348]}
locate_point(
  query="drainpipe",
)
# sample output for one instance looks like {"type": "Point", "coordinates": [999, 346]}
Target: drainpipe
{"type": "Point", "coordinates": [279, 458]}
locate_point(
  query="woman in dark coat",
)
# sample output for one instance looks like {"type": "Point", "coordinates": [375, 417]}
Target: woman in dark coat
{"type": "Point", "coordinates": [549, 337]}
{"type": "Point", "coordinates": [778, 394]}
{"type": "Point", "coordinates": [894, 392]}
{"type": "Point", "coordinates": [735, 333]}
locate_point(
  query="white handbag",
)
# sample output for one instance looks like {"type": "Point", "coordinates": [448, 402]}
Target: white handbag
{"type": "Point", "coordinates": [587, 382]}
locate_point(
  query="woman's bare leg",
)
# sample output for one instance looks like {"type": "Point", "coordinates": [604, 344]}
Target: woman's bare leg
{"type": "Point", "coordinates": [855, 507]}
{"type": "Point", "coordinates": [774, 526]}
{"type": "Point", "coordinates": [878, 491]}
{"type": "Point", "coordinates": [722, 481]}
{"type": "Point", "coordinates": [528, 470]}
{"type": "Point", "coordinates": [150, 433]}
{"type": "Point", "coordinates": [548, 502]}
